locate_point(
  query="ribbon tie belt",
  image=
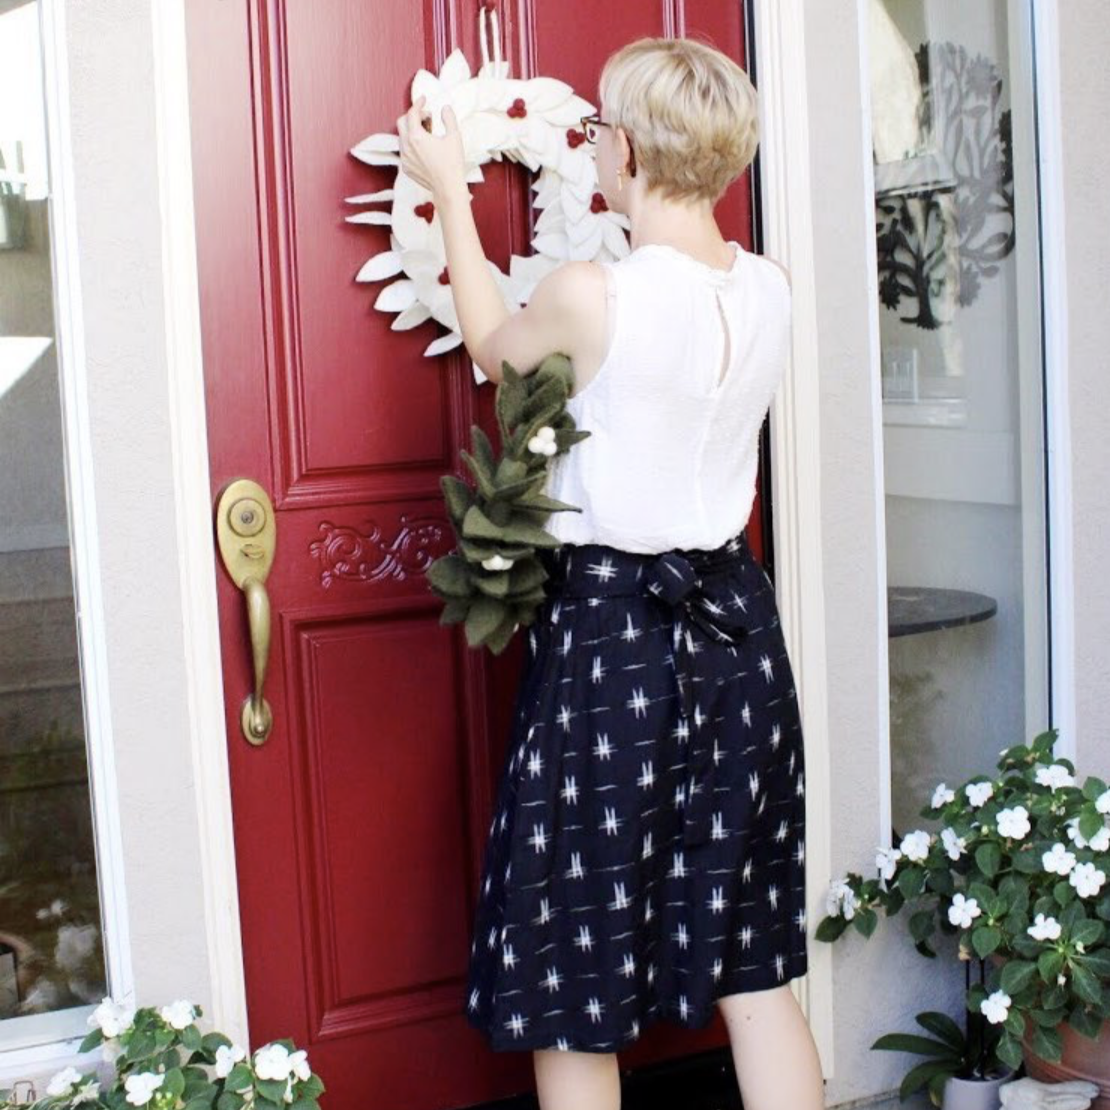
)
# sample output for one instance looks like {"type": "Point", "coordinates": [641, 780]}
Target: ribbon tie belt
{"type": "Point", "coordinates": [675, 580]}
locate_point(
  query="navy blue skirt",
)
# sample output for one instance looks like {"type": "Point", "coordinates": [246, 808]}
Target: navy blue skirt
{"type": "Point", "coordinates": [647, 850]}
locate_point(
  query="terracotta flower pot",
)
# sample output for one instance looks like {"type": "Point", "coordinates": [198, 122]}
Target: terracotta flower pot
{"type": "Point", "coordinates": [1082, 1058]}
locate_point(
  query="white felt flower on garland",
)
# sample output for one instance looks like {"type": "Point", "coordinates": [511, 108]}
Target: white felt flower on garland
{"type": "Point", "coordinates": [535, 122]}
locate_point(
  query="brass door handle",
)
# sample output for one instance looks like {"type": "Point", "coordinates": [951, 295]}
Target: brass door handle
{"type": "Point", "coordinates": [247, 533]}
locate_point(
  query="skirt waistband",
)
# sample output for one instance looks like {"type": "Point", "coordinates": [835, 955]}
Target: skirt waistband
{"type": "Point", "coordinates": [599, 570]}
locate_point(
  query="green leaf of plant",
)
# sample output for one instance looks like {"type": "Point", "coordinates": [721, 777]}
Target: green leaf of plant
{"type": "Point", "coordinates": [1047, 1043]}
{"type": "Point", "coordinates": [912, 1042]}
{"type": "Point", "coordinates": [1088, 932]}
{"type": "Point", "coordinates": [985, 939]}
{"type": "Point", "coordinates": [1016, 975]}
{"type": "Point", "coordinates": [1085, 983]}
{"type": "Point", "coordinates": [988, 857]}
{"type": "Point", "coordinates": [865, 921]}
{"type": "Point", "coordinates": [942, 1026]}
{"type": "Point", "coordinates": [918, 1077]}
{"type": "Point", "coordinates": [911, 881]}
{"type": "Point", "coordinates": [1049, 964]}
{"type": "Point", "coordinates": [830, 928]}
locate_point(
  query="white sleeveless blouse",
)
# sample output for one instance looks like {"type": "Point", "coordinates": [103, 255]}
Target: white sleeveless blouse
{"type": "Point", "coordinates": [672, 458]}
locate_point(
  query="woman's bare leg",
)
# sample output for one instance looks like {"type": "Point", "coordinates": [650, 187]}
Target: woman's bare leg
{"type": "Point", "coordinates": [577, 1080]}
{"type": "Point", "coordinates": [773, 1050]}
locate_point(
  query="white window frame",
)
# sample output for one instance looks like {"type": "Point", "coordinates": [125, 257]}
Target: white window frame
{"type": "Point", "coordinates": [38, 1041]}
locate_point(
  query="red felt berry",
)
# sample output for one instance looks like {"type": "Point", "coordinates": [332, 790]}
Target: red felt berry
{"type": "Point", "coordinates": [425, 211]}
{"type": "Point", "coordinates": [517, 110]}
{"type": "Point", "coordinates": [443, 278]}
{"type": "Point", "coordinates": [575, 138]}
{"type": "Point", "coordinates": [597, 203]}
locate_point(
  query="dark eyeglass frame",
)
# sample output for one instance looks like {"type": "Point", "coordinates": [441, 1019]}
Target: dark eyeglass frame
{"type": "Point", "coordinates": [589, 122]}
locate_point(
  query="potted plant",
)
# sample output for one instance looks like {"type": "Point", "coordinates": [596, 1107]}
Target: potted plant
{"type": "Point", "coordinates": [163, 1062]}
{"type": "Point", "coordinates": [961, 1069]}
{"type": "Point", "coordinates": [1018, 872]}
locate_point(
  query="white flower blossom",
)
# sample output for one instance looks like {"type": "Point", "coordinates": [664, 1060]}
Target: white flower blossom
{"type": "Point", "coordinates": [1061, 979]}
{"type": "Point", "coordinates": [55, 909]}
{"type": "Point", "coordinates": [886, 860]}
{"type": "Point", "coordinates": [272, 1062]}
{"type": "Point", "coordinates": [87, 1092]}
{"type": "Point", "coordinates": [61, 1081]}
{"type": "Point", "coordinates": [1014, 822]}
{"type": "Point", "coordinates": [179, 1014]}
{"type": "Point", "coordinates": [978, 792]}
{"type": "Point", "coordinates": [942, 795]}
{"type": "Point", "coordinates": [1100, 842]}
{"type": "Point", "coordinates": [543, 442]}
{"type": "Point", "coordinates": [953, 845]}
{"type": "Point", "coordinates": [1055, 776]}
{"type": "Point", "coordinates": [227, 1056]}
{"type": "Point", "coordinates": [963, 911]}
{"type": "Point", "coordinates": [299, 1062]}
{"type": "Point", "coordinates": [1102, 802]}
{"type": "Point", "coordinates": [841, 899]}
{"type": "Point", "coordinates": [1044, 928]}
{"type": "Point", "coordinates": [915, 845]}
{"type": "Point", "coordinates": [75, 944]}
{"type": "Point", "coordinates": [497, 562]}
{"type": "Point", "coordinates": [141, 1086]}
{"type": "Point", "coordinates": [112, 1018]}
{"type": "Point", "coordinates": [1058, 860]}
{"type": "Point", "coordinates": [996, 1007]}
{"type": "Point", "coordinates": [1087, 879]}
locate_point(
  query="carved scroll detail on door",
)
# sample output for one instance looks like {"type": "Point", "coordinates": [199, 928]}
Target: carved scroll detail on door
{"type": "Point", "coordinates": [346, 553]}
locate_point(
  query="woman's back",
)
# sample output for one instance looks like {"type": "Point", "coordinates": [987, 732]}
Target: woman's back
{"type": "Point", "coordinates": [695, 356]}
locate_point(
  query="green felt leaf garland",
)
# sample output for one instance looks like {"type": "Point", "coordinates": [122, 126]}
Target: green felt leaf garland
{"type": "Point", "coordinates": [492, 581]}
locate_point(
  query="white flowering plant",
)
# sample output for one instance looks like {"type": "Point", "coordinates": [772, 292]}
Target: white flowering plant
{"type": "Point", "coordinates": [164, 1062]}
{"type": "Point", "coordinates": [1018, 874]}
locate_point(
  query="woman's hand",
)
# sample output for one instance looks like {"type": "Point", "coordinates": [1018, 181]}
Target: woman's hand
{"type": "Point", "coordinates": [437, 162]}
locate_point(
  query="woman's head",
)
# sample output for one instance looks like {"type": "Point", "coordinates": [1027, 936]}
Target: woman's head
{"type": "Point", "coordinates": [689, 112]}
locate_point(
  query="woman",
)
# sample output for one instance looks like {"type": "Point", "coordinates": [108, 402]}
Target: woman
{"type": "Point", "coordinates": [646, 855]}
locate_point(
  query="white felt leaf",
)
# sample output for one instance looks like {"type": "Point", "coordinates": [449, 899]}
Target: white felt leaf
{"type": "Point", "coordinates": [412, 316]}
{"type": "Point", "coordinates": [455, 70]}
{"type": "Point", "coordinates": [369, 198]}
{"type": "Point", "coordinates": [554, 246]}
{"type": "Point", "coordinates": [379, 142]}
{"type": "Point", "coordinates": [380, 267]}
{"type": "Point", "coordinates": [444, 343]}
{"type": "Point", "coordinates": [369, 218]}
{"type": "Point", "coordinates": [479, 377]}
{"type": "Point", "coordinates": [396, 297]}
{"type": "Point", "coordinates": [376, 158]}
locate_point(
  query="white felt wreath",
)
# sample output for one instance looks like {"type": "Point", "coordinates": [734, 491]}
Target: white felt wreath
{"type": "Point", "coordinates": [536, 122]}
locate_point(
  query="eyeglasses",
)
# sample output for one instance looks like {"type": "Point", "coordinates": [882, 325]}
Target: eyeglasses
{"type": "Point", "coordinates": [590, 124]}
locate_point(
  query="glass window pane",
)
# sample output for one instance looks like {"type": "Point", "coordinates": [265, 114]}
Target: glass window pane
{"type": "Point", "coordinates": [51, 952]}
{"type": "Point", "coordinates": [956, 214]}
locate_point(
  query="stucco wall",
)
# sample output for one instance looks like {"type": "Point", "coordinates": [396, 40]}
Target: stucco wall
{"type": "Point", "coordinates": [1084, 93]}
{"type": "Point", "coordinates": [119, 229]}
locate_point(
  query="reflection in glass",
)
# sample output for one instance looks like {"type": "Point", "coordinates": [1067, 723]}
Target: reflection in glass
{"type": "Point", "coordinates": [51, 950]}
{"type": "Point", "coordinates": [959, 309]}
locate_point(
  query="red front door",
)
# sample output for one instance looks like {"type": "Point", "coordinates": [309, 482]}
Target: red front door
{"type": "Point", "coordinates": [361, 820]}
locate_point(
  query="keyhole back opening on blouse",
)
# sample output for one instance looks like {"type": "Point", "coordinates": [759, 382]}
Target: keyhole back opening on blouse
{"type": "Point", "coordinates": [726, 354]}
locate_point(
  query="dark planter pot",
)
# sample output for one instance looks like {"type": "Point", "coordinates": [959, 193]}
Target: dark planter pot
{"type": "Point", "coordinates": [1082, 1058]}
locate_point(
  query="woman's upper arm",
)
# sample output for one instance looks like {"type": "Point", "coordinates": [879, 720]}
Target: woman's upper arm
{"type": "Point", "coordinates": [564, 306]}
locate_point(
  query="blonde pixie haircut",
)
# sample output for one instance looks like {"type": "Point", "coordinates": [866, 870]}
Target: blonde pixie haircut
{"type": "Point", "coordinates": [691, 113]}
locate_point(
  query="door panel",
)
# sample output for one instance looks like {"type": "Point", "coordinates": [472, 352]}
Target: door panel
{"type": "Point", "coordinates": [360, 823]}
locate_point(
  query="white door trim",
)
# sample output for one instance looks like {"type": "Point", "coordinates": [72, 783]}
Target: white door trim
{"type": "Point", "coordinates": [196, 542]}
{"type": "Point", "coordinates": [787, 218]}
